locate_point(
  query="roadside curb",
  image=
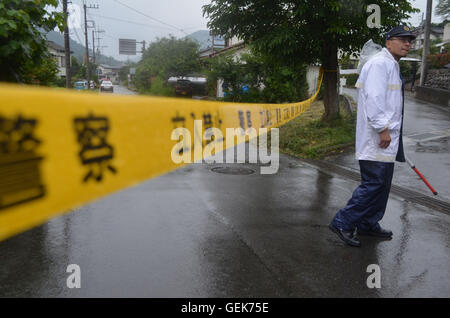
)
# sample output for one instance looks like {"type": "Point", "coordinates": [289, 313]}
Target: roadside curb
{"type": "Point", "coordinates": [401, 191]}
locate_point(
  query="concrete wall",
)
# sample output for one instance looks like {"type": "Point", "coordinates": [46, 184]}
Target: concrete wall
{"type": "Point", "coordinates": [312, 76]}
{"type": "Point", "coordinates": [446, 36]}
{"type": "Point", "coordinates": [433, 95]}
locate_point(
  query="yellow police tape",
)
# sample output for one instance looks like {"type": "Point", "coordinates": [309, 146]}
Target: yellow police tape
{"type": "Point", "coordinates": [60, 149]}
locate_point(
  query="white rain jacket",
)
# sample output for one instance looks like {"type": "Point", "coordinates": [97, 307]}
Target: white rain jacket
{"type": "Point", "coordinates": [380, 105]}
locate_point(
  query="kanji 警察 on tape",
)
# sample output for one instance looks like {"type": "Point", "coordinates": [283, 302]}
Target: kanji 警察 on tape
{"type": "Point", "coordinates": [60, 149]}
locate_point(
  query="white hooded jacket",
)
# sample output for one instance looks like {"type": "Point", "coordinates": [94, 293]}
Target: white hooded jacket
{"type": "Point", "coordinates": [380, 105]}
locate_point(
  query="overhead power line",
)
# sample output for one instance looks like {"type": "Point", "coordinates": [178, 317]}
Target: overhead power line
{"type": "Point", "coordinates": [78, 37]}
{"type": "Point", "coordinates": [145, 15]}
{"type": "Point", "coordinates": [131, 22]}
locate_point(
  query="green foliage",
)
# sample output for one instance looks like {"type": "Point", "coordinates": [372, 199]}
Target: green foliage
{"type": "Point", "coordinates": [438, 60]}
{"type": "Point", "coordinates": [305, 31]}
{"type": "Point", "coordinates": [300, 30]}
{"type": "Point", "coordinates": [43, 73]}
{"type": "Point", "coordinates": [159, 88]}
{"type": "Point", "coordinates": [443, 9]}
{"type": "Point", "coordinates": [124, 71]}
{"type": "Point", "coordinates": [310, 137]}
{"type": "Point", "coordinates": [22, 45]}
{"type": "Point", "coordinates": [268, 80]}
{"type": "Point", "coordinates": [77, 70]}
{"type": "Point", "coordinates": [346, 63]}
{"type": "Point", "coordinates": [164, 58]}
{"type": "Point", "coordinates": [433, 48]}
{"type": "Point", "coordinates": [405, 69]}
{"type": "Point", "coordinates": [351, 79]}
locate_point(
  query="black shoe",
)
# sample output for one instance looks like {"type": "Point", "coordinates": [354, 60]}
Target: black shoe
{"type": "Point", "coordinates": [346, 236]}
{"type": "Point", "coordinates": [378, 232]}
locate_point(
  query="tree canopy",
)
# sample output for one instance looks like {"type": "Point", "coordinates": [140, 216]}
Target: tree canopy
{"type": "Point", "coordinates": [443, 9]}
{"type": "Point", "coordinates": [23, 49]}
{"type": "Point", "coordinates": [267, 80]}
{"type": "Point", "coordinates": [167, 57]}
{"type": "Point", "coordinates": [305, 30]}
{"type": "Point", "coordinates": [300, 28]}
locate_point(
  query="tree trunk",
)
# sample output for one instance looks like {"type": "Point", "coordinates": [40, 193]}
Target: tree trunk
{"type": "Point", "coordinates": [330, 80]}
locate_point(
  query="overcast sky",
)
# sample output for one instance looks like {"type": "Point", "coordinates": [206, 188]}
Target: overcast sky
{"type": "Point", "coordinates": [150, 19]}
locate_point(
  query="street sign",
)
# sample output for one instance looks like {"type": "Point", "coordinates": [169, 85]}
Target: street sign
{"type": "Point", "coordinates": [127, 46]}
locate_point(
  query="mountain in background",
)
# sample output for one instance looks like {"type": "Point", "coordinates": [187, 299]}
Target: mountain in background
{"type": "Point", "coordinates": [203, 38]}
{"type": "Point", "coordinates": [79, 50]}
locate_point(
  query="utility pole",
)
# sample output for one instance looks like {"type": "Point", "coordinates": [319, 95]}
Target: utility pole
{"type": "Point", "coordinates": [93, 46]}
{"type": "Point", "coordinates": [98, 40]}
{"type": "Point", "coordinates": [88, 71]}
{"type": "Point", "coordinates": [67, 46]}
{"type": "Point", "coordinates": [101, 48]}
{"type": "Point", "coordinates": [426, 44]}
{"type": "Point", "coordinates": [88, 75]}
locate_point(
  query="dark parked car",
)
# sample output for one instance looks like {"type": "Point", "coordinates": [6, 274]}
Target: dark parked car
{"type": "Point", "coordinates": [183, 88]}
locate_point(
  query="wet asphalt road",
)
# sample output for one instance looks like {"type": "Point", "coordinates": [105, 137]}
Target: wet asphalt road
{"type": "Point", "coordinates": [198, 233]}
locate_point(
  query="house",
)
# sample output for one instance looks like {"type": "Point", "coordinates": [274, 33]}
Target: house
{"type": "Point", "coordinates": [435, 34]}
{"type": "Point", "coordinates": [234, 46]}
{"type": "Point", "coordinates": [446, 35]}
{"type": "Point", "coordinates": [445, 38]}
{"type": "Point", "coordinates": [216, 44]}
{"type": "Point", "coordinates": [110, 72]}
{"type": "Point", "coordinates": [58, 53]}
{"type": "Point", "coordinates": [237, 47]}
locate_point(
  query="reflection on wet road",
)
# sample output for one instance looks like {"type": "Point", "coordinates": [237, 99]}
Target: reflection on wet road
{"type": "Point", "coordinates": [122, 90]}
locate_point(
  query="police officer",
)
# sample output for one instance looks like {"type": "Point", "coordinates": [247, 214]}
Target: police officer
{"type": "Point", "coordinates": [378, 140]}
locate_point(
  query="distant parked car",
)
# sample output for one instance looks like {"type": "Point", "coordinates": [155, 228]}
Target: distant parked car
{"type": "Point", "coordinates": [107, 86]}
{"type": "Point", "coordinates": [80, 85]}
{"type": "Point", "coordinates": [183, 88]}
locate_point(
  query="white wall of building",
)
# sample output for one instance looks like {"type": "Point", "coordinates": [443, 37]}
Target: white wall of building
{"type": "Point", "coordinates": [446, 36]}
{"type": "Point", "coordinates": [60, 59]}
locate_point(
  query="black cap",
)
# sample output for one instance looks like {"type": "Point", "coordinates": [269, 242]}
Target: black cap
{"type": "Point", "coordinates": [401, 30]}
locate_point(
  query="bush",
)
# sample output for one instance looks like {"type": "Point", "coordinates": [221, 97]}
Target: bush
{"type": "Point", "coordinates": [405, 69]}
{"type": "Point", "coordinates": [60, 82]}
{"type": "Point", "coordinates": [159, 88]}
{"type": "Point", "coordinates": [267, 80]}
{"type": "Point", "coordinates": [351, 79]}
{"type": "Point", "coordinates": [164, 58]}
{"type": "Point", "coordinates": [438, 60]}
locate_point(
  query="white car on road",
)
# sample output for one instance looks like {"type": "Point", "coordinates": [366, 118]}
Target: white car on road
{"type": "Point", "coordinates": [107, 86]}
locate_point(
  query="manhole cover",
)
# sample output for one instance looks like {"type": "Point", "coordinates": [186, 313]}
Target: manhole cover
{"type": "Point", "coordinates": [233, 170]}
